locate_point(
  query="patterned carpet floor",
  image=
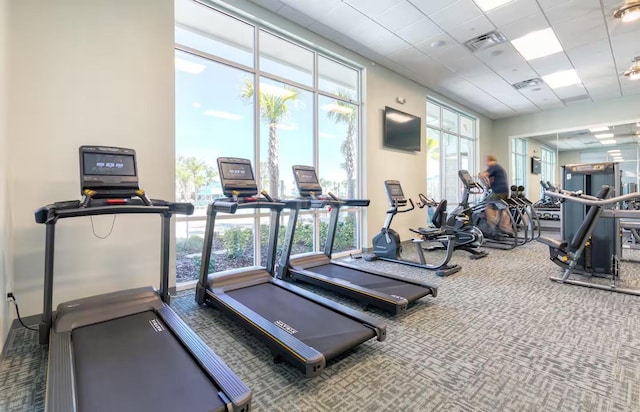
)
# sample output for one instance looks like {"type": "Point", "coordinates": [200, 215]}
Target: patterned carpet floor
{"type": "Point", "coordinates": [500, 336]}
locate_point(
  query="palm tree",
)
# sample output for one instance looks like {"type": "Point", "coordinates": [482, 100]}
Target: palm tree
{"type": "Point", "coordinates": [192, 174]}
{"type": "Point", "coordinates": [273, 109]}
{"type": "Point", "coordinates": [345, 113]}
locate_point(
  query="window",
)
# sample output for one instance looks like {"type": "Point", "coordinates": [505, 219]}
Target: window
{"type": "Point", "coordinates": [547, 165]}
{"type": "Point", "coordinates": [451, 146]}
{"type": "Point", "coordinates": [243, 90]}
{"type": "Point", "coordinates": [519, 162]}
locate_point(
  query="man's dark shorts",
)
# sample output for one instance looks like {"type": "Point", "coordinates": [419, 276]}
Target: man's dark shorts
{"type": "Point", "coordinates": [498, 196]}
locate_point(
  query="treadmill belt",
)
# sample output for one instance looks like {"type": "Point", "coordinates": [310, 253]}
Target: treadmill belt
{"type": "Point", "coordinates": [372, 281]}
{"type": "Point", "coordinates": [135, 363]}
{"type": "Point", "coordinates": [325, 330]}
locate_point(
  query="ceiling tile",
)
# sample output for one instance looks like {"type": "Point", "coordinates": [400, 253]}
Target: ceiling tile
{"type": "Point", "coordinates": [502, 55]}
{"type": "Point", "coordinates": [604, 93]}
{"type": "Point", "coordinates": [517, 73]}
{"type": "Point", "coordinates": [472, 28]}
{"type": "Point", "coordinates": [427, 7]}
{"type": "Point", "coordinates": [573, 9]}
{"type": "Point", "coordinates": [570, 91]}
{"type": "Point", "coordinates": [523, 26]}
{"type": "Point", "coordinates": [399, 16]}
{"type": "Point", "coordinates": [458, 12]}
{"type": "Point", "coordinates": [551, 63]}
{"type": "Point", "coordinates": [584, 30]}
{"type": "Point", "coordinates": [367, 30]}
{"type": "Point", "coordinates": [547, 4]}
{"type": "Point", "coordinates": [410, 56]}
{"type": "Point", "coordinates": [419, 31]}
{"type": "Point", "coordinates": [341, 17]}
{"type": "Point", "coordinates": [448, 42]}
{"type": "Point", "coordinates": [513, 11]}
{"type": "Point", "coordinates": [386, 45]}
{"type": "Point", "coordinates": [372, 8]}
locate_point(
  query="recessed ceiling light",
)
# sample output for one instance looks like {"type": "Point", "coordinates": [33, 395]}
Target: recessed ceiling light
{"type": "Point", "coordinates": [599, 129]}
{"type": "Point", "coordinates": [561, 79]}
{"type": "Point", "coordinates": [603, 135]}
{"type": "Point", "coordinates": [608, 141]}
{"type": "Point", "coordinates": [614, 151]}
{"type": "Point", "coordinates": [487, 5]}
{"type": "Point", "coordinates": [537, 44]}
{"type": "Point", "coordinates": [629, 11]}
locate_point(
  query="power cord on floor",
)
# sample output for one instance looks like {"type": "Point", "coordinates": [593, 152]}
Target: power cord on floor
{"type": "Point", "coordinates": [13, 300]}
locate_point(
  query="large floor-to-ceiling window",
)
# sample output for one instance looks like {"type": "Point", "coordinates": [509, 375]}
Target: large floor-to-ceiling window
{"type": "Point", "coordinates": [247, 90]}
{"type": "Point", "coordinates": [451, 146]}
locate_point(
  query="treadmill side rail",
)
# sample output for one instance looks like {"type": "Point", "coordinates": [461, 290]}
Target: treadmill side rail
{"type": "Point", "coordinates": [60, 395]}
{"type": "Point", "coordinates": [238, 393]}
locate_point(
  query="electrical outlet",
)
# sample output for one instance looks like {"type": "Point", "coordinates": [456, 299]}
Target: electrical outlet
{"type": "Point", "coordinates": [10, 297]}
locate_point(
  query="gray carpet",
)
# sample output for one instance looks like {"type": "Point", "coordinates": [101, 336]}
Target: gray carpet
{"type": "Point", "coordinates": [500, 336]}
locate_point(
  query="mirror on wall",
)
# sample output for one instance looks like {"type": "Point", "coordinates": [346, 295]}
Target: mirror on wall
{"type": "Point", "coordinates": [608, 143]}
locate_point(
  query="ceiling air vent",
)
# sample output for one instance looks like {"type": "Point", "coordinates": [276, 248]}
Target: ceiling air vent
{"type": "Point", "coordinates": [525, 84]}
{"type": "Point", "coordinates": [485, 41]}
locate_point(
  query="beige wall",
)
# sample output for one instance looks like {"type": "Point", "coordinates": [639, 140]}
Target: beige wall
{"type": "Point", "coordinates": [6, 274]}
{"type": "Point", "coordinates": [88, 72]}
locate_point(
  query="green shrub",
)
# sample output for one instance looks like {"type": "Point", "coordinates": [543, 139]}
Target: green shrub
{"type": "Point", "coordinates": [193, 244]}
{"type": "Point", "coordinates": [236, 241]}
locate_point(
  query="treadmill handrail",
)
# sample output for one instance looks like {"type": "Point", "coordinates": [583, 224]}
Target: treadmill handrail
{"type": "Point", "coordinates": [51, 213]}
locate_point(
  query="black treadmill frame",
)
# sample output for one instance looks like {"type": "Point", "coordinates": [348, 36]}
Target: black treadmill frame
{"type": "Point", "coordinates": [211, 290]}
{"type": "Point", "coordinates": [61, 393]}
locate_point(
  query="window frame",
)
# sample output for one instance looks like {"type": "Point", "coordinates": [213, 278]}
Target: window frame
{"type": "Point", "coordinates": [314, 88]}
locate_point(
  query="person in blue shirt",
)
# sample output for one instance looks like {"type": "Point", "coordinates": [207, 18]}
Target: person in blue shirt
{"type": "Point", "coordinates": [496, 177]}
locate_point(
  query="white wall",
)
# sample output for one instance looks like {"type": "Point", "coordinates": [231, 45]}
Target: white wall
{"type": "Point", "coordinates": [6, 274]}
{"type": "Point", "coordinates": [88, 72]}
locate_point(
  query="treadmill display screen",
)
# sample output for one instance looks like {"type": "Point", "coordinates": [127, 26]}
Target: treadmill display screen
{"type": "Point", "coordinates": [395, 191]}
{"type": "Point", "coordinates": [236, 171]}
{"type": "Point", "coordinates": [105, 164]}
{"type": "Point", "coordinates": [306, 176]}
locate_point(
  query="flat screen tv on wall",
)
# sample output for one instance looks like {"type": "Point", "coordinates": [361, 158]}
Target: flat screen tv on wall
{"type": "Point", "coordinates": [401, 130]}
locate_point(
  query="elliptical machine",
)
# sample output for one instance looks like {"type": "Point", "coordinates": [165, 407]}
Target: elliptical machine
{"type": "Point", "coordinates": [388, 246]}
{"type": "Point", "coordinates": [466, 236]}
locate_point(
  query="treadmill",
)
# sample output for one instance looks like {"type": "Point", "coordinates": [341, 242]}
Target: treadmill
{"type": "Point", "coordinates": [126, 350]}
{"type": "Point", "coordinates": [297, 326]}
{"type": "Point", "coordinates": [371, 288]}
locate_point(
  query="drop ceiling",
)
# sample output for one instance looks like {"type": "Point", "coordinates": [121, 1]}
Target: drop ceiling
{"type": "Point", "coordinates": [401, 35]}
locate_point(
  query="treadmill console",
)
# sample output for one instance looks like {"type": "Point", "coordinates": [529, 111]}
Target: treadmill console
{"type": "Point", "coordinates": [236, 177]}
{"type": "Point", "coordinates": [395, 193]}
{"type": "Point", "coordinates": [307, 181]}
{"type": "Point", "coordinates": [108, 171]}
